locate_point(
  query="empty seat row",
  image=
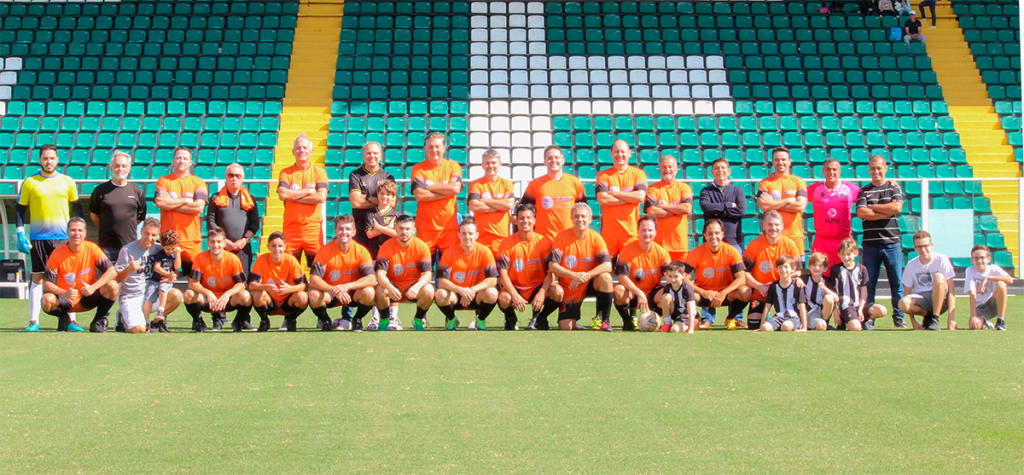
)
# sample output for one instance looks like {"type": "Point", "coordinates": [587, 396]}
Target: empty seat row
{"type": "Point", "coordinates": [133, 139]}
{"type": "Point", "coordinates": [898, 91]}
{"type": "Point", "coordinates": [47, 24]}
{"type": "Point", "coordinates": [175, 62]}
{"type": "Point", "coordinates": [160, 76]}
{"type": "Point", "coordinates": [998, 62]}
{"type": "Point", "coordinates": [212, 49]}
{"type": "Point", "coordinates": [251, 35]}
{"type": "Point", "coordinates": [153, 123]}
{"type": "Point", "coordinates": [834, 76]}
{"type": "Point", "coordinates": [148, 8]}
{"type": "Point", "coordinates": [159, 156]}
{"type": "Point", "coordinates": [842, 107]}
{"type": "Point", "coordinates": [98, 108]}
{"type": "Point", "coordinates": [123, 92]}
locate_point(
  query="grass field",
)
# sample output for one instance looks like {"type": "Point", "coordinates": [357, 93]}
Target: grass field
{"type": "Point", "coordinates": [891, 401]}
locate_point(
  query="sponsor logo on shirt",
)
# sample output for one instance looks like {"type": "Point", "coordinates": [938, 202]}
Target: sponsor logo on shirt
{"type": "Point", "coordinates": [70, 278]}
{"type": "Point", "coordinates": [335, 275]}
{"type": "Point", "coordinates": [709, 272]}
{"type": "Point", "coordinates": [518, 265]}
{"type": "Point", "coordinates": [547, 202]}
{"type": "Point", "coordinates": [570, 261]}
{"type": "Point", "coordinates": [765, 267]}
{"type": "Point", "coordinates": [399, 269]}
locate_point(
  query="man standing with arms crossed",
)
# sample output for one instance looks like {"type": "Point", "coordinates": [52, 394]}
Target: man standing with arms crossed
{"type": "Point", "coordinates": [727, 203]}
{"type": "Point", "coordinates": [303, 189]}
{"type": "Point", "coordinates": [490, 200]}
{"type": "Point", "coordinates": [671, 202]}
{"type": "Point", "coordinates": [181, 197]}
{"type": "Point", "coordinates": [879, 204]}
{"type": "Point", "coordinates": [832, 201]}
{"type": "Point", "coordinates": [620, 190]}
{"type": "Point", "coordinates": [554, 195]}
{"type": "Point", "coordinates": [787, 194]}
{"type": "Point", "coordinates": [48, 196]}
{"type": "Point", "coordinates": [117, 207]}
{"type": "Point", "coordinates": [436, 182]}
{"type": "Point", "coordinates": [362, 188]}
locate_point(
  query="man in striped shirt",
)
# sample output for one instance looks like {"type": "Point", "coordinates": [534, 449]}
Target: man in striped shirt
{"type": "Point", "coordinates": [879, 205]}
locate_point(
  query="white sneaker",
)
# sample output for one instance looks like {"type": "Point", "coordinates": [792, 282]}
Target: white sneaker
{"type": "Point", "coordinates": [372, 326]}
{"type": "Point", "coordinates": [344, 325]}
{"type": "Point", "coordinates": [472, 325]}
{"type": "Point", "coordinates": [395, 325]}
{"type": "Point", "coordinates": [374, 319]}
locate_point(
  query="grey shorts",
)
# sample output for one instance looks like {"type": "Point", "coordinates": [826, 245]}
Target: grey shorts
{"type": "Point", "coordinates": [777, 321]}
{"type": "Point", "coordinates": [987, 310]}
{"type": "Point", "coordinates": [813, 317]}
{"type": "Point", "coordinates": [153, 290]}
{"type": "Point", "coordinates": [925, 302]}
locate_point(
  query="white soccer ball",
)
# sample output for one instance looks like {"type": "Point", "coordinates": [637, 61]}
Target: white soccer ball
{"type": "Point", "coordinates": [648, 322]}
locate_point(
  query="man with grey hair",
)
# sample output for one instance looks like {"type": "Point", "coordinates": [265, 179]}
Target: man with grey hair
{"type": "Point", "coordinates": [134, 266]}
{"type": "Point", "coordinates": [303, 189]}
{"type": "Point", "coordinates": [362, 187]}
{"type": "Point", "coordinates": [491, 198]}
{"type": "Point", "coordinates": [235, 211]}
{"type": "Point", "coordinates": [117, 207]}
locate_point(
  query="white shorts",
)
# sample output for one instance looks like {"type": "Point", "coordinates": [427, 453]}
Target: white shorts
{"type": "Point", "coordinates": [131, 311]}
{"type": "Point", "coordinates": [813, 317]}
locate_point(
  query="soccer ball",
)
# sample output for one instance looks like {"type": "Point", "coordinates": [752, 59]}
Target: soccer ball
{"type": "Point", "coordinates": [648, 322]}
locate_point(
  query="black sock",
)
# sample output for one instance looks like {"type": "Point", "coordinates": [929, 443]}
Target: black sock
{"type": "Point", "coordinates": [510, 314]}
{"type": "Point", "coordinates": [604, 306]}
{"type": "Point", "coordinates": [321, 314]}
{"type": "Point", "coordinates": [542, 319]}
{"type": "Point", "coordinates": [736, 309]}
{"type": "Point", "coordinates": [103, 309]}
{"type": "Point", "coordinates": [244, 314]}
{"type": "Point", "coordinates": [420, 313]}
{"type": "Point", "coordinates": [448, 311]}
{"type": "Point", "coordinates": [63, 320]}
{"type": "Point", "coordinates": [627, 321]}
{"type": "Point", "coordinates": [362, 310]}
{"type": "Point", "coordinates": [485, 310]}
{"type": "Point", "coordinates": [193, 310]}
{"type": "Point", "coordinates": [262, 310]}
{"type": "Point", "coordinates": [290, 320]}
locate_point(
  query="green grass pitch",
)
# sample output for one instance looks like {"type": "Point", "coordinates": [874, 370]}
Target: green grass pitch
{"type": "Point", "coordinates": [891, 401]}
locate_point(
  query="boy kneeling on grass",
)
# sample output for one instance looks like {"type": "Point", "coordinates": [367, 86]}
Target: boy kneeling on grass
{"type": "Point", "coordinates": [851, 283]}
{"type": "Point", "coordinates": [986, 285]}
{"type": "Point", "coordinates": [786, 298]}
{"type": "Point", "coordinates": [676, 300]}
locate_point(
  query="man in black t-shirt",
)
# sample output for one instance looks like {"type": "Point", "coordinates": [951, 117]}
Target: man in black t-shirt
{"type": "Point", "coordinates": [879, 204]}
{"type": "Point", "coordinates": [117, 207]}
{"type": "Point", "coordinates": [362, 187]}
{"type": "Point", "coordinates": [912, 30]}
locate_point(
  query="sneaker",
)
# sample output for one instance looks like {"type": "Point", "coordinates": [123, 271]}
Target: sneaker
{"type": "Point", "coordinates": [596, 324]}
{"type": "Point", "coordinates": [425, 323]}
{"type": "Point", "coordinates": [987, 325]}
{"type": "Point", "coordinates": [730, 324]}
{"type": "Point", "coordinates": [899, 323]}
{"type": "Point", "coordinates": [372, 326]}
{"type": "Point", "coordinates": [32, 328]}
{"type": "Point", "coordinates": [199, 325]}
{"type": "Point", "coordinates": [344, 325]}
{"type": "Point", "coordinates": [581, 327]}
{"type": "Point", "coordinates": [217, 325]}
{"type": "Point", "coordinates": [606, 327]}
{"type": "Point", "coordinates": [472, 325]}
{"type": "Point", "coordinates": [451, 325]}
{"type": "Point", "coordinates": [264, 325]}
{"type": "Point", "coordinates": [931, 322]}
{"type": "Point", "coordinates": [395, 325]}
{"type": "Point", "coordinates": [417, 324]}
{"type": "Point", "coordinates": [73, 327]}
{"type": "Point", "coordinates": [481, 325]}
{"type": "Point", "coordinates": [320, 325]}
{"type": "Point", "coordinates": [665, 328]}
{"type": "Point", "coordinates": [1001, 324]}
{"type": "Point", "coordinates": [704, 325]}
{"type": "Point", "coordinates": [159, 325]}
{"type": "Point", "coordinates": [869, 325]}
{"type": "Point", "coordinates": [932, 27]}
{"type": "Point", "coordinates": [246, 325]}
{"type": "Point", "coordinates": [236, 326]}
{"type": "Point", "coordinates": [98, 325]}
{"type": "Point", "coordinates": [284, 325]}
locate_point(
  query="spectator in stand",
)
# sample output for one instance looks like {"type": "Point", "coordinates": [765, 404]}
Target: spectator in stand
{"type": "Point", "coordinates": [931, 6]}
{"type": "Point", "coordinates": [868, 7]}
{"type": "Point", "coordinates": [912, 30]}
{"type": "Point", "coordinates": [885, 8]}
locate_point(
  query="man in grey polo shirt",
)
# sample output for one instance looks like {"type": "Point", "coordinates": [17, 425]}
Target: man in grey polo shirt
{"type": "Point", "coordinates": [134, 268]}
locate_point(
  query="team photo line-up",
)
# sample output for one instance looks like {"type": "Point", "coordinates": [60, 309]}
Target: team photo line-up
{"type": "Point", "coordinates": [549, 261]}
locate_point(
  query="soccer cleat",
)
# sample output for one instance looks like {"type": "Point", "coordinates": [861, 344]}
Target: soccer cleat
{"type": "Point", "coordinates": [1001, 324]}
{"type": "Point", "coordinates": [246, 325]}
{"type": "Point", "coordinates": [264, 325]}
{"type": "Point", "coordinates": [73, 327]}
{"type": "Point", "coordinates": [532, 325]}
{"type": "Point", "coordinates": [32, 328]}
{"type": "Point", "coordinates": [606, 327]}
{"type": "Point", "coordinates": [481, 325]}
{"type": "Point", "coordinates": [199, 325]}
{"type": "Point", "coordinates": [596, 324]}
{"type": "Point", "coordinates": [987, 325]}
{"type": "Point", "coordinates": [395, 325]}
{"type": "Point", "coordinates": [931, 322]}
{"type": "Point", "coordinates": [451, 325]}
{"type": "Point", "coordinates": [869, 325]}
{"type": "Point", "coordinates": [159, 325]}
{"type": "Point", "coordinates": [417, 324]}
{"type": "Point", "coordinates": [236, 326]}
{"type": "Point", "coordinates": [730, 324]}
{"type": "Point", "coordinates": [665, 328]}
{"type": "Point", "coordinates": [357, 325]}
{"type": "Point", "coordinates": [705, 325]}
{"type": "Point", "coordinates": [472, 325]}
{"type": "Point", "coordinates": [217, 325]}
{"type": "Point", "coordinates": [98, 325]}
{"type": "Point", "coordinates": [899, 323]}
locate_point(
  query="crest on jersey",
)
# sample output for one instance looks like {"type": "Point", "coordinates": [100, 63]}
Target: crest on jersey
{"type": "Point", "coordinates": [765, 266]}
{"type": "Point", "coordinates": [335, 275]}
{"type": "Point", "coordinates": [485, 196]}
{"type": "Point", "coordinates": [708, 272]}
{"type": "Point", "coordinates": [518, 265]}
{"type": "Point", "coordinates": [613, 188]}
{"type": "Point", "coordinates": [459, 277]}
{"type": "Point", "coordinates": [429, 182]}
{"type": "Point", "coordinates": [211, 281]}
{"type": "Point", "coordinates": [173, 194]}
{"type": "Point", "coordinates": [639, 275]}
{"type": "Point", "coordinates": [295, 186]}
{"type": "Point", "coordinates": [70, 278]}
{"type": "Point", "coordinates": [570, 261]}
{"type": "Point", "coordinates": [547, 202]}
{"type": "Point", "coordinates": [832, 212]}
{"type": "Point", "coordinates": [776, 195]}
{"type": "Point", "coordinates": [399, 268]}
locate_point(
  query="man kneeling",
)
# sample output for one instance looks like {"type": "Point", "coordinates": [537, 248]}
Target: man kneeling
{"type": "Point", "coordinates": [217, 286]}
{"type": "Point", "coordinates": [342, 275]}
{"type": "Point", "coordinates": [523, 272]}
{"type": "Point", "coordinates": [468, 279]}
{"type": "Point", "coordinates": [71, 283]}
{"type": "Point", "coordinates": [403, 275]}
{"type": "Point", "coordinates": [277, 284]}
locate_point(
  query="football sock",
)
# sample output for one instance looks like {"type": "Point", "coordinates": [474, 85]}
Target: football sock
{"type": "Point", "coordinates": [448, 311]}
{"type": "Point", "coordinates": [736, 310]}
{"type": "Point", "coordinates": [290, 320]}
{"type": "Point", "coordinates": [604, 306]}
{"type": "Point", "coordinates": [35, 299]}
{"type": "Point", "coordinates": [321, 314]}
{"type": "Point", "coordinates": [627, 321]}
{"type": "Point", "coordinates": [393, 312]}
{"type": "Point", "coordinates": [485, 310]}
{"type": "Point", "coordinates": [361, 311]}
{"type": "Point", "coordinates": [542, 318]}
{"type": "Point", "coordinates": [510, 314]}
{"type": "Point", "coordinates": [262, 310]}
{"type": "Point", "coordinates": [420, 313]}
{"type": "Point", "coordinates": [244, 314]}
{"type": "Point", "coordinates": [193, 310]}
{"type": "Point", "coordinates": [62, 321]}
{"type": "Point", "coordinates": [103, 309]}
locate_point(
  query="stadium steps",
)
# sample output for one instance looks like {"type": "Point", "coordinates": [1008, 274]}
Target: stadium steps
{"type": "Point", "coordinates": [982, 136]}
{"type": "Point", "coordinates": [308, 93]}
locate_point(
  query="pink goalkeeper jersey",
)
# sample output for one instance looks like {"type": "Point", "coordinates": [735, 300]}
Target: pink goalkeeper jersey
{"type": "Point", "coordinates": [832, 209]}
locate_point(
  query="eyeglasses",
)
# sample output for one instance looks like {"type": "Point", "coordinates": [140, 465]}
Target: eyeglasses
{"type": "Point", "coordinates": [235, 175]}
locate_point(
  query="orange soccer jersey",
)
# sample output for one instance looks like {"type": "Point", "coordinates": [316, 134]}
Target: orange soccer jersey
{"type": "Point", "coordinates": [336, 267]}
{"type": "Point", "coordinates": [217, 277]}
{"type": "Point", "coordinates": [713, 270]}
{"type": "Point", "coordinates": [295, 178]}
{"type": "Point", "coordinates": [436, 220]}
{"type": "Point", "coordinates": [404, 266]}
{"type": "Point", "coordinates": [790, 187]}
{"type": "Point", "coordinates": [187, 225]}
{"type": "Point", "coordinates": [264, 271]}
{"type": "Point", "coordinates": [554, 200]}
{"type": "Point", "coordinates": [760, 256]}
{"type": "Point", "coordinates": [525, 262]}
{"type": "Point", "coordinates": [618, 222]}
{"type": "Point", "coordinates": [643, 268]}
{"type": "Point", "coordinates": [493, 227]}
{"type": "Point", "coordinates": [673, 232]}
{"type": "Point", "coordinates": [467, 270]}
{"type": "Point", "coordinates": [71, 270]}
{"type": "Point", "coordinates": [578, 255]}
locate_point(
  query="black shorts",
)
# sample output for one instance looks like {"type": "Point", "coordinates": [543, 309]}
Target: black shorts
{"type": "Point", "coordinates": [570, 311]}
{"type": "Point", "coordinates": [757, 306]}
{"type": "Point", "coordinates": [705, 303]}
{"type": "Point", "coordinates": [652, 303]}
{"type": "Point", "coordinates": [41, 251]}
{"type": "Point", "coordinates": [284, 309]}
{"type": "Point", "coordinates": [849, 314]}
{"type": "Point", "coordinates": [337, 303]}
{"type": "Point", "coordinates": [85, 303]}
